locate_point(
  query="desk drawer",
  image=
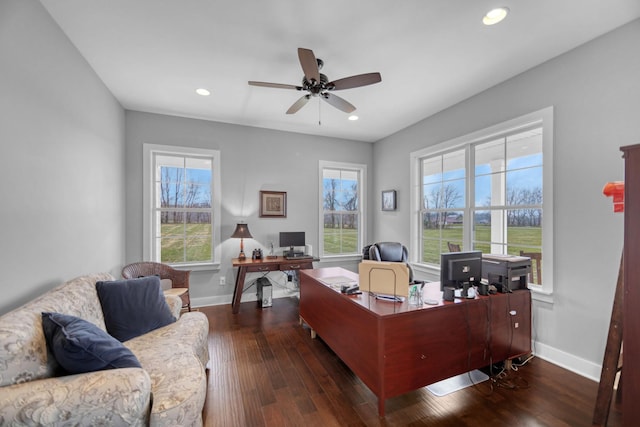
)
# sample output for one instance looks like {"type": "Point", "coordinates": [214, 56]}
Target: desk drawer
{"type": "Point", "coordinates": [296, 265]}
{"type": "Point", "coordinates": [262, 268]}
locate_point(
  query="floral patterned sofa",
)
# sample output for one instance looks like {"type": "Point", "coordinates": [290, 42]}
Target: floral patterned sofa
{"type": "Point", "coordinates": [169, 389]}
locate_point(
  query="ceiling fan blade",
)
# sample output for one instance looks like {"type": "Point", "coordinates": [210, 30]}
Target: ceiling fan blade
{"type": "Point", "coordinates": [355, 81]}
{"type": "Point", "coordinates": [275, 85]}
{"type": "Point", "coordinates": [298, 104]}
{"type": "Point", "coordinates": [309, 64]}
{"type": "Point", "coordinates": [338, 102]}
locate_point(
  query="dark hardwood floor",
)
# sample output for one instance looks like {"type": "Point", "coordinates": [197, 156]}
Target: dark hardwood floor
{"type": "Point", "coordinates": [265, 370]}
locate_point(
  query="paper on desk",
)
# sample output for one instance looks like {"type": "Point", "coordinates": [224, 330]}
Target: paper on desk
{"type": "Point", "coordinates": [337, 281]}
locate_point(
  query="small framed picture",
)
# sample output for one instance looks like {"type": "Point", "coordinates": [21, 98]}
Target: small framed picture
{"type": "Point", "coordinates": [389, 200]}
{"type": "Point", "coordinates": [273, 204]}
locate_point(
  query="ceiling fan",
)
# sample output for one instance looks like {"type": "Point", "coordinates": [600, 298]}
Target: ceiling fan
{"type": "Point", "coordinates": [318, 84]}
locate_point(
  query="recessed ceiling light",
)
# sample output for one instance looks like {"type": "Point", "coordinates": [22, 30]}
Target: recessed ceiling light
{"type": "Point", "coordinates": [353, 118]}
{"type": "Point", "coordinates": [203, 92]}
{"type": "Point", "coordinates": [495, 15]}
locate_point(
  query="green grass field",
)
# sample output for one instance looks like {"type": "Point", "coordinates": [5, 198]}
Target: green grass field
{"type": "Point", "coordinates": [520, 238]}
{"type": "Point", "coordinates": [197, 243]}
{"type": "Point", "coordinates": [337, 241]}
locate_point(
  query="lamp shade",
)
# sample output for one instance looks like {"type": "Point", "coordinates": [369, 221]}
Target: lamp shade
{"type": "Point", "coordinates": [242, 232]}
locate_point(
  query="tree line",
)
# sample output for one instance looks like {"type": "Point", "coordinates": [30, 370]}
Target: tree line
{"type": "Point", "coordinates": [443, 205]}
{"type": "Point", "coordinates": [339, 197]}
{"type": "Point", "coordinates": [176, 193]}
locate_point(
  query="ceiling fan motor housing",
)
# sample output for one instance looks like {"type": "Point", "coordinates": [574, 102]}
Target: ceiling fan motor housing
{"type": "Point", "coordinates": [315, 87]}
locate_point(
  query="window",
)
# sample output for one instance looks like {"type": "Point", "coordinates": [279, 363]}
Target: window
{"type": "Point", "coordinates": [182, 205]}
{"type": "Point", "coordinates": [488, 191]}
{"type": "Point", "coordinates": [342, 217]}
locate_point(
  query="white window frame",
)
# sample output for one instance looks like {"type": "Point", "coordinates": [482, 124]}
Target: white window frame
{"type": "Point", "coordinates": [543, 118]}
{"type": "Point", "coordinates": [149, 150]}
{"type": "Point", "coordinates": [362, 203]}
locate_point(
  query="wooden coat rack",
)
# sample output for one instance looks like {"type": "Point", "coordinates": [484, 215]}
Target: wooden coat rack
{"type": "Point", "coordinates": [612, 362]}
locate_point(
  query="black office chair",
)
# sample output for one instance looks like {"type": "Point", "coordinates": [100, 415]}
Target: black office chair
{"type": "Point", "coordinates": [392, 252]}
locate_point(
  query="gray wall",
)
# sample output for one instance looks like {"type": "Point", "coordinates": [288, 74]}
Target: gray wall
{"type": "Point", "coordinates": [595, 91]}
{"type": "Point", "coordinates": [64, 172]}
{"type": "Point", "coordinates": [62, 164]}
{"type": "Point", "coordinates": [253, 159]}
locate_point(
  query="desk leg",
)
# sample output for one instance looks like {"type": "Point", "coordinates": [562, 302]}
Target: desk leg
{"type": "Point", "coordinates": [380, 407]}
{"type": "Point", "coordinates": [313, 333]}
{"type": "Point", "coordinates": [237, 292]}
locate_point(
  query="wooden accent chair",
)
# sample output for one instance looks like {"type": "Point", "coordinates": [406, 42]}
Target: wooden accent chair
{"type": "Point", "coordinates": [453, 247]}
{"type": "Point", "coordinates": [179, 278]}
{"type": "Point", "coordinates": [536, 265]}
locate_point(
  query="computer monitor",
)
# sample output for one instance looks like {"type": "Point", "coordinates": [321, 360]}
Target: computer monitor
{"type": "Point", "coordinates": [291, 239]}
{"type": "Point", "coordinates": [458, 268]}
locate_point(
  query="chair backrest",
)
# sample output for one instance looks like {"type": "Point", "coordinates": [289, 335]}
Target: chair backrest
{"type": "Point", "coordinates": [453, 247]}
{"type": "Point", "coordinates": [179, 278]}
{"type": "Point", "coordinates": [536, 265]}
{"type": "Point", "coordinates": [390, 251]}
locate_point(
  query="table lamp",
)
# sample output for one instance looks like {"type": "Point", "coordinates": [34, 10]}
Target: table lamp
{"type": "Point", "coordinates": [242, 232]}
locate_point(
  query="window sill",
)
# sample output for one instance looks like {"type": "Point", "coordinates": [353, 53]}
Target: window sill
{"type": "Point", "coordinates": [539, 294]}
{"type": "Point", "coordinates": [340, 258]}
{"type": "Point", "coordinates": [197, 267]}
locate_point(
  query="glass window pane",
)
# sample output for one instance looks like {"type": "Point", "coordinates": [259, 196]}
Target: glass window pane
{"type": "Point", "coordinates": [349, 237]}
{"type": "Point", "coordinates": [431, 196]}
{"type": "Point", "coordinates": [330, 194]}
{"type": "Point", "coordinates": [172, 187]}
{"type": "Point", "coordinates": [432, 170]}
{"type": "Point", "coordinates": [328, 174]}
{"type": "Point", "coordinates": [172, 249]}
{"type": "Point", "coordinates": [483, 186]}
{"type": "Point", "coordinates": [524, 149]}
{"type": "Point", "coordinates": [453, 193]}
{"type": "Point", "coordinates": [453, 165]}
{"type": "Point", "coordinates": [524, 187]}
{"type": "Point", "coordinates": [198, 249]}
{"type": "Point", "coordinates": [489, 157]}
{"type": "Point", "coordinates": [524, 227]}
{"type": "Point", "coordinates": [347, 198]}
{"type": "Point", "coordinates": [332, 234]}
{"type": "Point", "coordinates": [452, 229]}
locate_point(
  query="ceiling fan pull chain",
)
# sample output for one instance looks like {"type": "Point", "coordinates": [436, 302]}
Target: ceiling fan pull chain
{"type": "Point", "coordinates": [319, 115]}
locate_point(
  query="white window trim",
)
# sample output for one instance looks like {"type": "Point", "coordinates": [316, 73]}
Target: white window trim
{"type": "Point", "coordinates": [543, 117]}
{"type": "Point", "coordinates": [362, 203]}
{"type": "Point", "coordinates": [147, 198]}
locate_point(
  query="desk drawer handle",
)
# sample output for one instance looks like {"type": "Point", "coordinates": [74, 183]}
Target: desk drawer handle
{"type": "Point", "coordinates": [294, 267]}
{"type": "Point", "coordinates": [263, 269]}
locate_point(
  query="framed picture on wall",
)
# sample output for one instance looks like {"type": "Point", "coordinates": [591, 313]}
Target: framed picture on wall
{"type": "Point", "coordinates": [389, 200]}
{"type": "Point", "coordinates": [273, 204]}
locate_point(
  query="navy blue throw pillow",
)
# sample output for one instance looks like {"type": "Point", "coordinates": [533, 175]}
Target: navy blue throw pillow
{"type": "Point", "coordinates": [80, 346]}
{"type": "Point", "coordinates": [132, 307]}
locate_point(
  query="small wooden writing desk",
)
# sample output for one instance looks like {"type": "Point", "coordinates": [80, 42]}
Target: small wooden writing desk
{"type": "Point", "coordinates": [395, 347]}
{"type": "Point", "coordinates": [264, 265]}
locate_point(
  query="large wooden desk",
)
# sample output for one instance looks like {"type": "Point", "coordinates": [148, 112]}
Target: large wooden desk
{"type": "Point", "coordinates": [395, 348]}
{"type": "Point", "coordinates": [264, 265]}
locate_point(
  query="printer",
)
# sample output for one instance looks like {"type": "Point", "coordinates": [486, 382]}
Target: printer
{"type": "Point", "coordinates": [506, 272]}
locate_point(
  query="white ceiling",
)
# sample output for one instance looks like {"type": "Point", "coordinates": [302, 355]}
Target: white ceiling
{"type": "Point", "coordinates": [153, 54]}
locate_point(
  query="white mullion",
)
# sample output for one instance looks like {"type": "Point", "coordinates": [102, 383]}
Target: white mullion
{"type": "Point", "coordinates": [467, 223]}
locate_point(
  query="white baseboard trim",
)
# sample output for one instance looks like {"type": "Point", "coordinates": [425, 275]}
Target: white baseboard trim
{"type": "Point", "coordinates": [568, 361]}
{"type": "Point", "coordinates": [278, 292]}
